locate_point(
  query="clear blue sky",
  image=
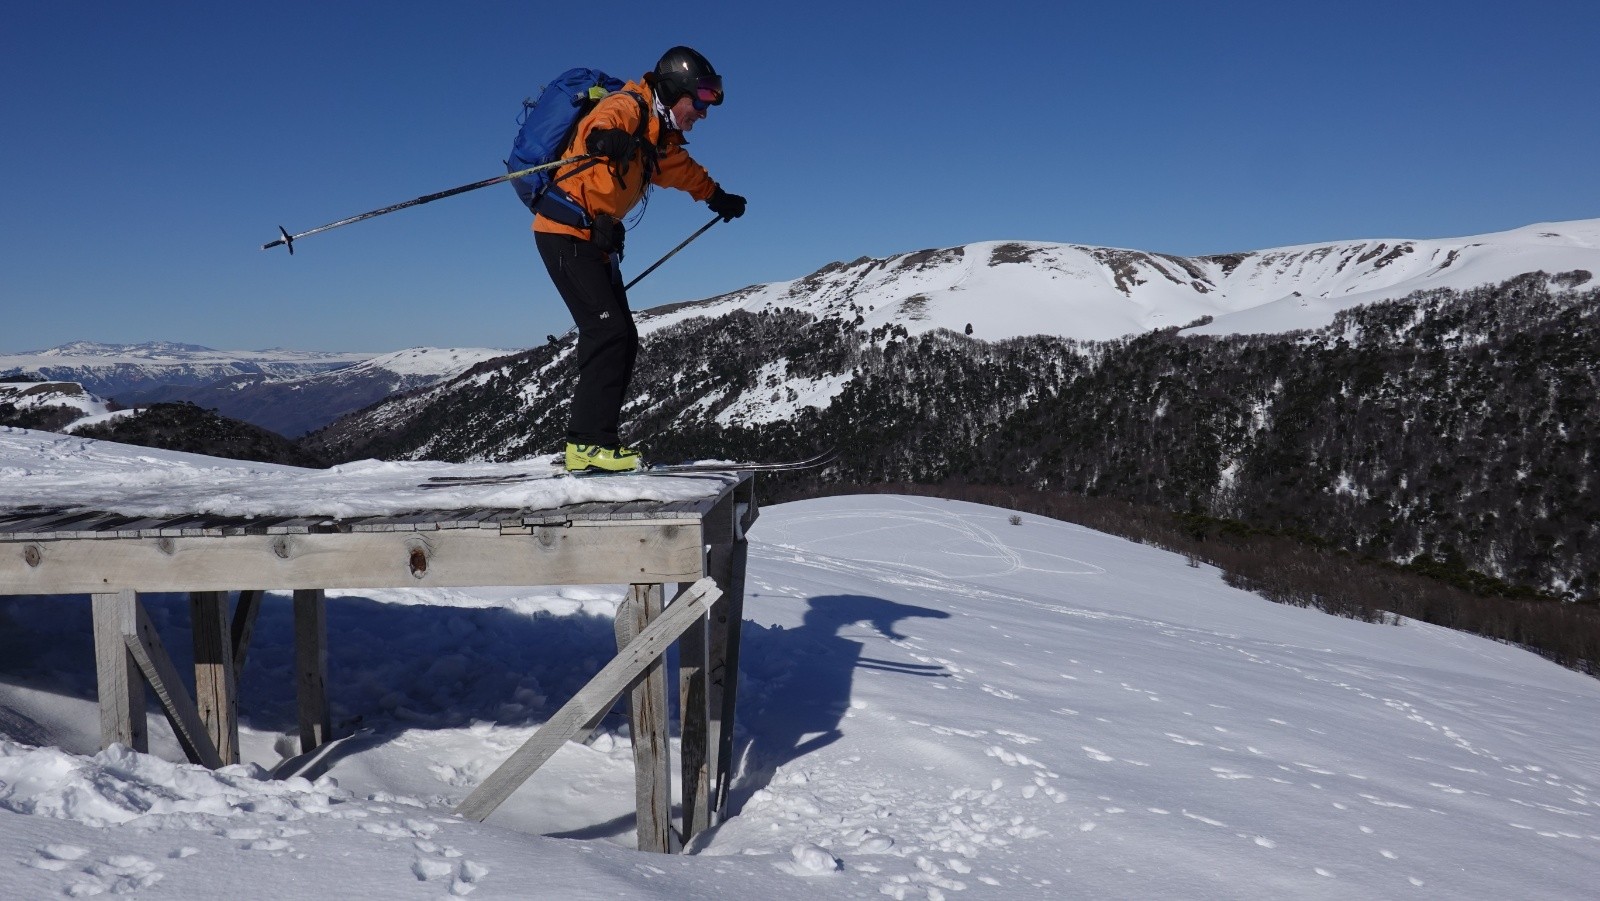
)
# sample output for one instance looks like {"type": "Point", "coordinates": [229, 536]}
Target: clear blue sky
{"type": "Point", "coordinates": [147, 150]}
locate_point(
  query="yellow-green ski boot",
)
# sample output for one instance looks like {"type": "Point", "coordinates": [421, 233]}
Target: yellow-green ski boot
{"type": "Point", "coordinates": [583, 457]}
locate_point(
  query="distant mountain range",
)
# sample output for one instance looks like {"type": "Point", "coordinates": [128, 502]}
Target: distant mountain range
{"type": "Point", "coordinates": [288, 392]}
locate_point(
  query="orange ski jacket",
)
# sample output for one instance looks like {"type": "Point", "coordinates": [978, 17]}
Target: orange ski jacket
{"type": "Point", "coordinates": [597, 188]}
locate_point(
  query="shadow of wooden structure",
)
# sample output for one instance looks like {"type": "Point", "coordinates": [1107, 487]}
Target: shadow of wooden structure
{"type": "Point", "coordinates": [696, 546]}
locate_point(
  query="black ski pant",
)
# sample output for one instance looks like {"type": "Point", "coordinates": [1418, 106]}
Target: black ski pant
{"type": "Point", "coordinates": [608, 342]}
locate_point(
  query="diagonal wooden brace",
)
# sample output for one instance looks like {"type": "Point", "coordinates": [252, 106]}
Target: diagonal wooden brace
{"type": "Point", "coordinates": [578, 717]}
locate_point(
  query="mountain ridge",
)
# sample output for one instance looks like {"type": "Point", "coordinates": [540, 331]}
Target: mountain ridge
{"type": "Point", "coordinates": [1097, 293]}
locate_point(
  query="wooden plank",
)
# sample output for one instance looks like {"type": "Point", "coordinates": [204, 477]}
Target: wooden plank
{"type": "Point", "coordinates": [215, 692]}
{"type": "Point", "coordinates": [137, 526]}
{"type": "Point", "coordinates": [47, 525]}
{"type": "Point", "coordinates": [647, 723]}
{"type": "Point", "coordinates": [144, 643]}
{"type": "Point", "coordinates": [577, 717]}
{"type": "Point", "coordinates": [121, 688]}
{"type": "Point", "coordinates": [244, 625]}
{"type": "Point", "coordinates": [192, 525]}
{"type": "Point", "coordinates": [693, 719]}
{"type": "Point", "coordinates": [585, 554]}
{"type": "Point", "coordinates": [311, 667]}
{"type": "Point", "coordinates": [295, 525]}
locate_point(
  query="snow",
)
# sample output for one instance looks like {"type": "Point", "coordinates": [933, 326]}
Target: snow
{"type": "Point", "coordinates": [936, 703]}
{"type": "Point", "coordinates": [98, 419]}
{"type": "Point", "coordinates": [1005, 289]}
{"type": "Point", "coordinates": [430, 362]}
{"type": "Point", "coordinates": [779, 398]}
{"type": "Point", "coordinates": [30, 395]}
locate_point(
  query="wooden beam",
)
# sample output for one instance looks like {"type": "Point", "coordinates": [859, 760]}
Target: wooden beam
{"type": "Point", "coordinates": [311, 668]}
{"type": "Point", "coordinates": [244, 626]}
{"type": "Point", "coordinates": [144, 644]}
{"type": "Point", "coordinates": [647, 723]}
{"type": "Point", "coordinates": [693, 719]}
{"type": "Point", "coordinates": [585, 553]}
{"type": "Point", "coordinates": [578, 716]}
{"type": "Point", "coordinates": [215, 691]}
{"type": "Point", "coordinates": [122, 711]}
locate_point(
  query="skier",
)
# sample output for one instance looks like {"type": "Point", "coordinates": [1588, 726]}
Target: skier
{"type": "Point", "coordinates": [579, 232]}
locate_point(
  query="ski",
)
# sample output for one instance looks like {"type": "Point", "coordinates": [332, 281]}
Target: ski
{"type": "Point", "coordinates": [656, 469]}
{"type": "Point", "coordinates": [822, 459]}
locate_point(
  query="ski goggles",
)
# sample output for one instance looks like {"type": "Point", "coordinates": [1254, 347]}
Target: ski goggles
{"type": "Point", "coordinates": [707, 93]}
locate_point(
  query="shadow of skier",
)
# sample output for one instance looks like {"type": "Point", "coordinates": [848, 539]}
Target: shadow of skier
{"type": "Point", "coordinates": [803, 680]}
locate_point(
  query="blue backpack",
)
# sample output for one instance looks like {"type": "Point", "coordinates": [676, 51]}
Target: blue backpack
{"type": "Point", "coordinates": [548, 124]}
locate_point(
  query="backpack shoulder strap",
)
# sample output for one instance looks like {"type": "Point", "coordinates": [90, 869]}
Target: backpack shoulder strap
{"type": "Point", "coordinates": [641, 137]}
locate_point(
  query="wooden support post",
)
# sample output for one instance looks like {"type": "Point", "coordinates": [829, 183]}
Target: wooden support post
{"type": "Point", "coordinates": [122, 711]}
{"type": "Point", "coordinates": [311, 668]}
{"type": "Point", "coordinates": [693, 720]}
{"type": "Point", "coordinates": [214, 682]}
{"type": "Point", "coordinates": [725, 562]}
{"type": "Point", "coordinates": [577, 718]}
{"type": "Point", "coordinates": [121, 615]}
{"type": "Point", "coordinates": [244, 625]}
{"type": "Point", "coordinates": [647, 722]}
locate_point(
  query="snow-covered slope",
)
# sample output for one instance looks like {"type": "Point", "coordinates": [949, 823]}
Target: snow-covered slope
{"type": "Point", "coordinates": [1005, 289]}
{"type": "Point", "coordinates": [429, 362]}
{"type": "Point", "coordinates": [32, 395]}
{"type": "Point", "coordinates": [939, 701]}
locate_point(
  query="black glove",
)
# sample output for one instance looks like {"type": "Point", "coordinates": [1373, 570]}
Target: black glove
{"type": "Point", "coordinates": [608, 234]}
{"type": "Point", "coordinates": [612, 143]}
{"type": "Point", "coordinates": [728, 206]}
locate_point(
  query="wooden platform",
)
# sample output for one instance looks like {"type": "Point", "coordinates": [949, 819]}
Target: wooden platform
{"type": "Point", "coordinates": [695, 546]}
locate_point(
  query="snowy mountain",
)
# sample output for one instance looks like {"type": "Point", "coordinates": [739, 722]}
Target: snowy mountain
{"type": "Point", "coordinates": [939, 700]}
{"type": "Point", "coordinates": [112, 370]}
{"type": "Point", "coordinates": [1013, 288]}
{"type": "Point", "coordinates": [288, 392]}
{"type": "Point", "coordinates": [293, 406]}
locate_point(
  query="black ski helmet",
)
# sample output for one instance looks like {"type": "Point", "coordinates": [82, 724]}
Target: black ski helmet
{"type": "Point", "coordinates": [681, 71]}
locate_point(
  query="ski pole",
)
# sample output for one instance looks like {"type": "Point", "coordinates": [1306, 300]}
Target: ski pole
{"type": "Point", "coordinates": [703, 228]}
{"type": "Point", "coordinates": [288, 239]}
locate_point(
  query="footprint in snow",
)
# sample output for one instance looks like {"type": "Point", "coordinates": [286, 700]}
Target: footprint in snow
{"type": "Point", "coordinates": [57, 857]}
{"type": "Point", "coordinates": [810, 860]}
{"type": "Point", "coordinates": [119, 874]}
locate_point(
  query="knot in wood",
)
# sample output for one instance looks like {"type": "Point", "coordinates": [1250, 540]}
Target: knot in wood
{"type": "Point", "coordinates": [166, 546]}
{"type": "Point", "coordinates": [419, 562]}
{"type": "Point", "coordinates": [280, 547]}
{"type": "Point", "coordinates": [33, 555]}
